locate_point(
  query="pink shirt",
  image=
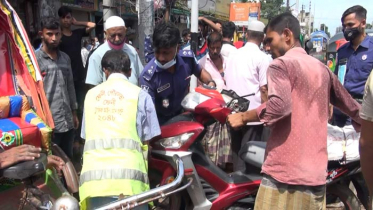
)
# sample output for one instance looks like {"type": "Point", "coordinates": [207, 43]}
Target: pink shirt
{"type": "Point", "coordinates": [210, 67]}
{"type": "Point", "coordinates": [299, 91]}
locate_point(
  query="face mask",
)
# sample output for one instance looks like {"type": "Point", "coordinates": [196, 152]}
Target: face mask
{"type": "Point", "coordinates": [97, 44]}
{"type": "Point", "coordinates": [167, 65]}
{"type": "Point", "coordinates": [351, 33]}
{"type": "Point", "coordinates": [116, 47]}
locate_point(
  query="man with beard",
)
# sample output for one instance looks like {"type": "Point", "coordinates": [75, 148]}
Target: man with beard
{"type": "Point", "coordinates": [300, 89]}
{"type": "Point", "coordinates": [246, 73]}
{"type": "Point", "coordinates": [55, 68]}
{"type": "Point", "coordinates": [115, 31]}
{"type": "Point", "coordinates": [214, 62]}
{"type": "Point", "coordinates": [355, 59]}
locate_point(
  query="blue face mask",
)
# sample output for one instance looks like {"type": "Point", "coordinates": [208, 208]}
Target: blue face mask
{"type": "Point", "coordinates": [167, 65]}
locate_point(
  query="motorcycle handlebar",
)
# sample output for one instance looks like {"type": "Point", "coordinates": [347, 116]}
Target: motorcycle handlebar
{"type": "Point", "coordinates": [153, 194]}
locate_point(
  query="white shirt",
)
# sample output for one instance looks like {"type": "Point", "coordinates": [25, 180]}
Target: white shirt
{"type": "Point", "coordinates": [228, 49]}
{"type": "Point", "coordinates": [84, 52]}
{"type": "Point", "coordinates": [246, 72]}
{"type": "Point", "coordinates": [210, 67]}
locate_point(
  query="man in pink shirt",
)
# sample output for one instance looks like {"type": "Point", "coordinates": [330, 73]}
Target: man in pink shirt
{"type": "Point", "coordinates": [300, 89]}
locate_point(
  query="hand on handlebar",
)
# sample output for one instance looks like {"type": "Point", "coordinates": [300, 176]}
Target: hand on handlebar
{"type": "Point", "coordinates": [56, 162]}
{"type": "Point", "coordinates": [236, 120]}
{"type": "Point", "coordinates": [17, 154]}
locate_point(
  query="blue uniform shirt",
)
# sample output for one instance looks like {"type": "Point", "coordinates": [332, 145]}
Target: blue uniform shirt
{"type": "Point", "coordinates": [168, 89]}
{"type": "Point", "coordinates": [353, 69]}
{"type": "Point", "coordinates": [358, 63]}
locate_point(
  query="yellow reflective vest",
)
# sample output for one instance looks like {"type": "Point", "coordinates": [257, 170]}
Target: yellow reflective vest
{"type": "Point", "coordinates": [113, 161]}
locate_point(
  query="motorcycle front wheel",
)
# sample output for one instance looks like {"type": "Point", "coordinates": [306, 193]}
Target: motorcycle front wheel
{"type": "Point", "coordinates": [341, 193]}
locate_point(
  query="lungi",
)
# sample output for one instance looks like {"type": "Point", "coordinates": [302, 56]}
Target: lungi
{"type": "Point", "coordinates": [275, 195]}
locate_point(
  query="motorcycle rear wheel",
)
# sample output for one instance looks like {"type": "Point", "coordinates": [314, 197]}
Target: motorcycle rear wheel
{"type": "Point", "coordinates": [345, 195]}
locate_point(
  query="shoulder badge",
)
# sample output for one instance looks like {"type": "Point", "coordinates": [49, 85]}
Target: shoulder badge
{"type": "Point", "coordinates": [149, 72]}
{"type": "Point", "coordinates": [186, 53]}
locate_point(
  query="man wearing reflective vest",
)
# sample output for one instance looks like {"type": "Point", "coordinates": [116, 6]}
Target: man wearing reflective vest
{"type": "Point", "coordinates": [119, 118]}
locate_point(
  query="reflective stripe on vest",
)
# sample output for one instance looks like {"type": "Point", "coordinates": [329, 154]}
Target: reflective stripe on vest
{"type": "Point", "coordinates": [120, 143]}
{"type": "Point", "coordinates": [113, 174]}
{"type": "Point", "coordinates": [113, 161]}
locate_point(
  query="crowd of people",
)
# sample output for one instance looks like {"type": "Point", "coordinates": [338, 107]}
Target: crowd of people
{"type": "Point", "coordinates": [109, 99]}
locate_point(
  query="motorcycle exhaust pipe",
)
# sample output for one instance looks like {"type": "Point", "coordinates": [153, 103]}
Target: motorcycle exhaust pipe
{"type": "Point", "coordinates": [153, 194]}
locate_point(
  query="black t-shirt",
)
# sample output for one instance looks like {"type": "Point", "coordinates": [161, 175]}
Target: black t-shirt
{"type": "Point", "coordinates": [71, 45]}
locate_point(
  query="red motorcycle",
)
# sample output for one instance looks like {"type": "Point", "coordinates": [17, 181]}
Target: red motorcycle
{"type": "Point", "coordinates": [212, 188]}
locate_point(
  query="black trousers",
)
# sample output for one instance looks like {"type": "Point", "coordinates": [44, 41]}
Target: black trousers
{"type": "Point", "coordinates": [241, 137]}
{"type": "Point", "coordinates": [65, 141]}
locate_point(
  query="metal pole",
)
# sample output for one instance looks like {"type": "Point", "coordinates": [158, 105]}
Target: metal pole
{"type": "Point", "coordinates": [146, 24]}
{"type": "Point", "coordinates": [194, 26]}
{"type": "Point", "coordinates": [288, 5]}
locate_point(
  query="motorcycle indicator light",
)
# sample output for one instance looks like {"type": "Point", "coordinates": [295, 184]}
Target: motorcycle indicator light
{"type": "Point", "coordinates": [175, 142]}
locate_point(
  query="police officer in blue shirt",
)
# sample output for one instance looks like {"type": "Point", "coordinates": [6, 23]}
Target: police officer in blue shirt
{"type": "Point", "coordinates": [166, 77]}
{"type": "Point", "coordinates": [355, 58]}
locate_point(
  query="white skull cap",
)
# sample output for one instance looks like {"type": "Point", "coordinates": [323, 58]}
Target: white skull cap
{"type": "Point", "coordinates": [114, 21]}
{"type": "Point", "coordinates": [255, 25]}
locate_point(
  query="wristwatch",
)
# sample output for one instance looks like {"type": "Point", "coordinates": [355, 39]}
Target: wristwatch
{"type": "Point", "coordinates": [212, 82]}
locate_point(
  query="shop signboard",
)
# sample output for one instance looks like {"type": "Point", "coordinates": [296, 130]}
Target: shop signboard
{"type": "Point", "coordinates": [241, 13]}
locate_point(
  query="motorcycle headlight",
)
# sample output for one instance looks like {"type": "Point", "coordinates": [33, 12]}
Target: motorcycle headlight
{"type": "Point", "coordinates": [191, 100]}
{"type": "Point", "coordinates": [175, 142]}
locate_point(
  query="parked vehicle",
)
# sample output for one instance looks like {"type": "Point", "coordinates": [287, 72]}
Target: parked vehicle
{"type": "Point", "coordinates": [22, 91]}
{"type": "Point", "coordinates": [212, 188]}
{"type": "Point", "coordinates": [319, 40]}
{"type": "Point", "coordinates": [338, 180]}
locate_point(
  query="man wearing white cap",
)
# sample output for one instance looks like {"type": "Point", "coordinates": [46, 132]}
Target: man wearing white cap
{"type": "Point", "coordinates": [246, 74]}
{"type": "Point", "coordinates": [115, 31]}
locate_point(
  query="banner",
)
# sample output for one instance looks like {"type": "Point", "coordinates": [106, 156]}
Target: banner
{"type": "Point", "coordinates": [241, 13]}
{"type": "Point", "coordinates": [222, 7]}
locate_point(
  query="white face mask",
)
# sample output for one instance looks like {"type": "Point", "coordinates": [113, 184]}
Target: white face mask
{"type": "Point", "coordinates": [167, 65]}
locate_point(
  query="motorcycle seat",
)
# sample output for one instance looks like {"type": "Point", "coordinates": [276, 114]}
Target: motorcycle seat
{"type": "Point", "coordinates": [253, 153]}
{"type": "Point", "coordinates": [25, 169]}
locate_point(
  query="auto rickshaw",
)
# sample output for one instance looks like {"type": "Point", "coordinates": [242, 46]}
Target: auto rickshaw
{"type": "Point", "coordinates": [25, 118]}
{"type": "Point", "coordinates": [334, 44]}
{"type": "Point", "coordinates": [319, 40]}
